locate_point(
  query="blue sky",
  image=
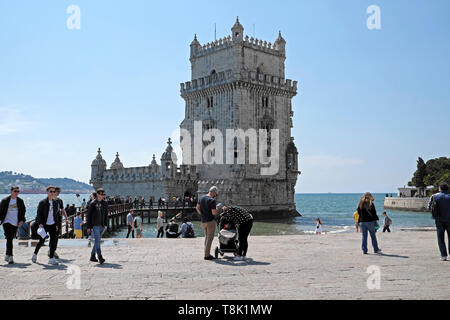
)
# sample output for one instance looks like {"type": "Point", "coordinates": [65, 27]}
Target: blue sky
{"type": "Point", "coordinates": [370, 101]}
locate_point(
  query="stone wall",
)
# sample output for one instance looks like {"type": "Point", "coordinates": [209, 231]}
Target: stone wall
{"type": "Point", "coordinates": [408, 204]}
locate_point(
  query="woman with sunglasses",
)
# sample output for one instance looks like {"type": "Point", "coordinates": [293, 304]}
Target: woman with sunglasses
{"type": "Point", "coordinates": [367, 219]}
{"type": "Point", "coordinates": [12, 216]}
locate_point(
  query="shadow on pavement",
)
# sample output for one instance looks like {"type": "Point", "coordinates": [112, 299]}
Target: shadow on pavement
{"type": "Point", "coordinates": [392, 255]}
{"type": "Point", "coordinates": [109, 265]}
{"type": "Point", "coordinates": [52, 267]}
{"type": "Point", "coordinates": [17, 265]}
{"type": "Point", "coordinates": [228, 261]}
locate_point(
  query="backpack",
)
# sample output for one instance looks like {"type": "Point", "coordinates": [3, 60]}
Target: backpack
{"type": "Point", "coordinates": [389, 221]}
{"type": "Point", "coordinates": [189, 231]}
{"type": "Point", "coordinates": [434, 208]}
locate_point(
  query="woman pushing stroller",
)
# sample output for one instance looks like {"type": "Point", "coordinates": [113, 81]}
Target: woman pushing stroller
{"type": "Point", "coordinates": [244, 222]}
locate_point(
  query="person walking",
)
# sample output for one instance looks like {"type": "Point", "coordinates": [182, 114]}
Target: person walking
{"type": "Point", "coordinates": [207, 209]}
{"type": "Point", "coordinates": [97, 220]}
{"type": "Point", "coordinates": [48, 218]}
{"type": "Point", "coordinates": [130, 220]}
{"type": "Point", "coordinates": [367, 218]}
{"type": "Point", "coordinates": [243, 220]}
{"type": "Point", "coordinates": [12, 216]}
{"type": "Point", "coordinates": [439, 204]}
{"type": "Point", "coordinates": [386, 222]}
{"type": "Point", "coordinates": [137, 225]}
{"type": "Point", "coordinates": [61, 211]}
{"type": "Point", "coordinates": [356, 218]}
{"type": "Point", "coordinates": [160, 224]}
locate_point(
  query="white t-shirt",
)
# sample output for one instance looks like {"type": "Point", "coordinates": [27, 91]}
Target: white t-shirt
{"type": "Point", "coordinates": [50, 218]}
{"type": "Point", "coordinates": [13, 213]}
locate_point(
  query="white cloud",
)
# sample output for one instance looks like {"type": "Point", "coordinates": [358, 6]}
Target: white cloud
{"type": "Point", "coordinates": [12, 120]}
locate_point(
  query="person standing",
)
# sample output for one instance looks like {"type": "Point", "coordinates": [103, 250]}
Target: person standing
{"type": "Point", "coordinates": [386, 222]}
{"type": "Point", "coordinates": [12, 216]}
{"type": "Point", "coordinates": [244, 222]}
{"type": "Point", "coordinates": [137, 225]}
{"type": "Point", "coordinates": [61, 211]}
{"type": "Point", "coordinates": [367, 218]}
{"type": "Point", "coordinates": [130, 220]}
{"type": "Point", "coordinates": [207, 209]}
{"type": "Point", "coordinates": [48, 218]}
{"type": "Point", "coordinates": [160, 225]}
{"type": "Point", "coordinates": [83, 204]}
{"type": "Point", "coordinates": [78, 226]}
{"type": "Point", "coordinates": [318, 226]}
{"type": "Point", "coordinates": [97, 220]}
{"type": "Point", "coordinates": [440, 204]}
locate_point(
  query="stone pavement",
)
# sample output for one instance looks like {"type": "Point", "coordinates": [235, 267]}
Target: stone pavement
{"type": "Point", "coordinates": [329, 266]}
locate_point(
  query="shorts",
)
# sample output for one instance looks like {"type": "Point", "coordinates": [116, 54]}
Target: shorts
{"type": "Point", "coordinates": [78, 234]}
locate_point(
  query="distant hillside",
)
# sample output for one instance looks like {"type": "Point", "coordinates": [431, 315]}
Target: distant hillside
{"type": "Point", "coordinates": [29, 184]}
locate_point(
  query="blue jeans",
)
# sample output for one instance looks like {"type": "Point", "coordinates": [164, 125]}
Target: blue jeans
{"type": "Point", "coordinates": [368, 227]}
{"type": "Point", "coordinates": [97, 235]}
{"type": "Point", "coordinates": [441, 227]}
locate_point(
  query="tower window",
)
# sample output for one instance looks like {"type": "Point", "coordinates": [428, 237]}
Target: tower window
{"type": "Point", "coordinates": [209, 102]}
{"type": "Point", "coordinates": [265, 102]}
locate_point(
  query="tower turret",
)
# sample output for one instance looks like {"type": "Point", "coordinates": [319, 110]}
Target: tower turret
{"type": "Point", "coordinates": [195, 46]}
{"type": "Point", "coordinates": [280, 44]}
{"type": "Point", "coordinates": [167, 161]}
{"type": "Point", "coordinates": [117, 164]}
{"type": "Point", "coordinates": [237, 31]}
{"type": "Point", "coordinates": [98, 166]}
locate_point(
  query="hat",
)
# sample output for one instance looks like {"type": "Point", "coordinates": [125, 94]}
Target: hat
{"type": "Point", "coordinates": [214, 189]}
{"type": "Point", "coordinates": [219, 205]}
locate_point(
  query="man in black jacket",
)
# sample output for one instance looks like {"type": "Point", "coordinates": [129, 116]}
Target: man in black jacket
{"type": "Point", "coordinates": [12, 216]}
{"type": "Point", "coordinates": [61, 211]}
{"type": "Point", "coordinates": [97, 220]}
{"type": "Point", "coordinates": [48, 218]}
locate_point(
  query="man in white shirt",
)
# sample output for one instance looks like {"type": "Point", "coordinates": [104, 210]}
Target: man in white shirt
{"type": "Point", "coordinates": [48, 218]}
{"type": "Point", "coordinates": [12, 216]}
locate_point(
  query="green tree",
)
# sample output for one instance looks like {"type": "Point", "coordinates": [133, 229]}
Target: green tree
{"type": "Point", "coordinates": [420, 174]}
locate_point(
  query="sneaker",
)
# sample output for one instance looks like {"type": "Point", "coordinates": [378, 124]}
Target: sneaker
{"type": "Point", "coordinates": [101, 260]}
{"type": "Point", "coordinates": [210, 257]}
{"type": "Point", "coordinates": [6, 258]}
{"type": "Point", "coordinates": [378, 251]}
{"type": "Point", "coordinates": [52, 261]}
{"type": "Point", "coordinates": [93, 259]}
{"type": "Point", "coordinates": [34, 258]}
{"type": "Point", "coordinates": [10, 260]}
{"type": "Point", "coordinates": [238, 258]}
{"type": "Point", "coordinates": [443, 258]}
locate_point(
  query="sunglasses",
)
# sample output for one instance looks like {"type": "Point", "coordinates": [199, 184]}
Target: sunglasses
{"type": "Point", "coordinates": [52, 192]}
{"type": "Point", "coordinates": [16, 191]}
{"type": "Point", "coordinates": [101, 194]}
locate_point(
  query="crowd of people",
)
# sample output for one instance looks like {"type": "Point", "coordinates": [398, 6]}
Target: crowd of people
{"type": "Point", "coordinates": [51, 210]}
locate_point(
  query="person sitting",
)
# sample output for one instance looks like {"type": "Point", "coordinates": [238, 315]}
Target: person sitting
{"type": "Point", "coordinates": [187, 229]}
{"type": "Point", "coordinates": [172, 229]}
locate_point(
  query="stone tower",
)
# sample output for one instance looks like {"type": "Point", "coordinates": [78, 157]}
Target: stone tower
{"type": "Point", "coordinates": [239, 82]}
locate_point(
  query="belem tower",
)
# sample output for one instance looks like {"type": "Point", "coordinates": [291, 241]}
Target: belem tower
{"type": "Point", "coordinates": [237, 82]}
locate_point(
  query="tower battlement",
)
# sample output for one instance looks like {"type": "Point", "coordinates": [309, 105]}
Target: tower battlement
{"type": "Point", "coordinates": [225, 77]}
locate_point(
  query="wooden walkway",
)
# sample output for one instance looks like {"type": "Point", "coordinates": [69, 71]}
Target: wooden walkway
{"type": "Point", "coordinates": [117, 216]}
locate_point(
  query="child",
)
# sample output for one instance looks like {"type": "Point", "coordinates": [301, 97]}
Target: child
{"type": "Point", "coordinates": [387, 222]}
{"type": "Point", "coordinates": [318, 226]}
{"type": "Point", "coordinates": [77, 223]}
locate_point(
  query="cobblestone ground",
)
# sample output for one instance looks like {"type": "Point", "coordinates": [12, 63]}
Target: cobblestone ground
{"type": "Point", "coordinates": [329, 266]}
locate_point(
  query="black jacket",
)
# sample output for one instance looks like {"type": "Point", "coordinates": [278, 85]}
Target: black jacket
{"type": "Point", "coordinates": [95, 209]}
{"type": "Point", "coordinates": [42, 212]}
{"type": "Point", "coordinates": [20, 208]}
{"type": "Point", "coordinates": [367, 215]}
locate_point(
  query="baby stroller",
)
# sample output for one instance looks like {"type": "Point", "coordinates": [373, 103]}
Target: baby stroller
{"type": "Point", "coordinates": [228, 239]}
